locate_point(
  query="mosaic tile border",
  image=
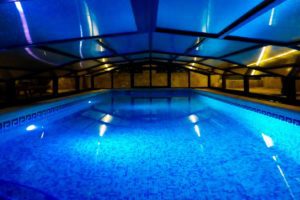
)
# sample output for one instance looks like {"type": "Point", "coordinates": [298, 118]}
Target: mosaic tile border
{"type": "Point", "coordinates": [28, 118]}
{"type": "Point", "coordinates": [258, 110]}
{"type": "Point", "coordinates": [42, 114]}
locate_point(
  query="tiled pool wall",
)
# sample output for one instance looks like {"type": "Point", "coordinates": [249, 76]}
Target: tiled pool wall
{"type": "Point", "coordinates": [285, 115]}
{"type": "Point", "coordinates": [66, 106]}
{"type": "Point", "coordinates": [46, 110]}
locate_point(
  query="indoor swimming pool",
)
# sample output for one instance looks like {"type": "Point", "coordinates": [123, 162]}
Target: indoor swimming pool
{"type": "Point", "coordinates": [152, 144]}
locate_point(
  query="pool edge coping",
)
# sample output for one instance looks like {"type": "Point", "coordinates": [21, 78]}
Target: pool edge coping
{"type": "Point", "coordinates": [255, 100]}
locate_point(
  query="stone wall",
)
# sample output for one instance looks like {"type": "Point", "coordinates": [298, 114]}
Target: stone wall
{"type": "Point", "coordinates": [272, 82]}
{"type": "Point", "coordinates": [85, 82]}
{"type": "Point", "coordinates": [66, 84]}
{"type": "Point", "coordinates": [121, 80]}
{"type": "Point", "coordinates": [142, 79]}
{"type": "Point", "coordinates": [159, 79]}
{"type": "Point", "coordinates": [179, 79]}
{"type": "Point", "coordinates": [216, 81]}
{"type": "Point", "coordinates": [198, 80]}
{"type": "Point", "coordinates": [103, 81]}
{"type": "Point", "coordinates": [235, 84]}
{"type": "Point", "coordinates": [255, 83]}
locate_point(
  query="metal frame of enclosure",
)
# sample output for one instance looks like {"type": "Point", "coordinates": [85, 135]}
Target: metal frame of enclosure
{"type": "Point", "coordinates": [248, 40]}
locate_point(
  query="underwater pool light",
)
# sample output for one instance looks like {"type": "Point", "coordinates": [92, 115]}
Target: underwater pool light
{"type": "Point", "coordinates": [89, 101]}
{"type": "Point", "coordinates": [193, 118]}
{"type": "Point", "coordinates": [31, 127]}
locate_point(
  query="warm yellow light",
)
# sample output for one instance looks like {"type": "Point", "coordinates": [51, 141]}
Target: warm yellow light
{"type": "Point", "coordinates": [274, 57]}
{"type": "Point", "coordinates": [261, 56]}
{"type": "Point", "coordinates": [253, 72]}
{"type": "Point", "coordinates": [109, 69]}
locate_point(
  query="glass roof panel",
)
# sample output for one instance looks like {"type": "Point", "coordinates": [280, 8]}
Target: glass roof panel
{"type": "Point", "coordinates": [267, 56]}
{"type": "Point", "coordinates": [27, 22]}
{"type": "Point", "coordinates": [172, 43]}
{"type": "Point", "coordinates": [82, 48]}
{"type": "Point", "coordinates": [218, 47]}
{"type": "Point", "coordinates": [161, 55]}
{"type": "Point", "coordinates": [121, 63]}
{"type": "Point", "coordinates": [111, 59]}
{"type": "Point", "coordinates": [138, 61]}
{"type": "Point", "coordinates": [254, 72]}
{"type": "Point", "coordinates": [240, 70]}
{"type": "Point", "coordinates": [218, 71]}
{"type": "Point", "coordinates": [139, 56]}
{"type": "Point", "coordinates": [101, 67]}
{"type": "Point", "coordinates": [281, 23]}
{"type": "Point", "coordinates": [209, 16]}
{"type": "Point", "coordinates": [194, 68]}
{"type": "Point", "coordinates": [31, 58]}
{"type": "Point", "coordinates": [196, 65]}
{"type": "Point", "coordinates": [179, 62]}
{"type": "Point", "coordinates": [282, 71]}
{"type": "Point", "coordinates": [107, 68]}
{"type": "Point", "coordinates": [160, 60]}
{"type": "Point", "coordinates": [189, 58]}
{"type": "Point", "coordinates": [129, 43]}
{"type": "Point", "coordinates": [218, 63]}
{"type": "Point", "coordinates": [83, 65]}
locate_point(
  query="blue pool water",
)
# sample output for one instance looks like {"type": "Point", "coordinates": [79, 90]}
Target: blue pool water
{"type": "Point", "coordinates": [152, 145]}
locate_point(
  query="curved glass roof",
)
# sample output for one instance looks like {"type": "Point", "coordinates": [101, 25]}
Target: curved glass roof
{"type": "Point", "coordinates": [88, 36]}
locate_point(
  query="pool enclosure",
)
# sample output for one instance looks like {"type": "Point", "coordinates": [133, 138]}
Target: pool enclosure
{"type": "Point", "coordinates": [49, 48]}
